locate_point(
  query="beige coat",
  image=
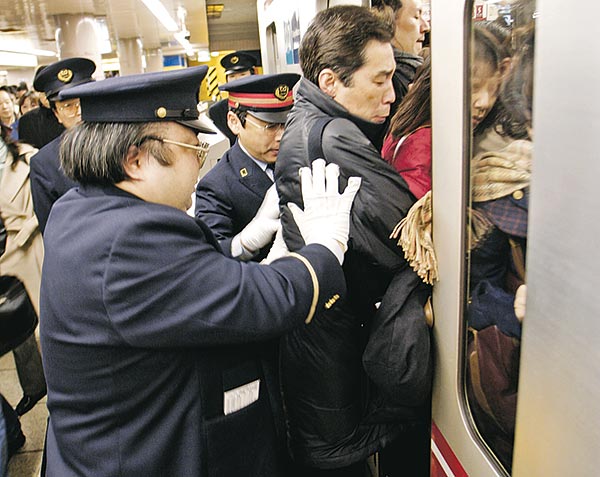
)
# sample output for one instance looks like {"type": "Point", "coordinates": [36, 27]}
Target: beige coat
{"type": "Point", "coordinates": [24, 248]}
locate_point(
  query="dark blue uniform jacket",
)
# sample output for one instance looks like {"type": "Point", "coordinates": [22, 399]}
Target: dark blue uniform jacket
{"type": "Point", "coordinates": [229, 196]}
{"type": "Point", "coordinates": [145, 325]}
{"type": "Point", "coordinates": [48, 181]}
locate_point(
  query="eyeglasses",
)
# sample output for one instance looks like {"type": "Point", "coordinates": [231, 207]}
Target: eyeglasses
{"type": "Point", "coordinates": [270, 127]}
{"type": "Point", "coordinates": [201, 149]}
{"type": "Point", "coordinates": [69, 109]}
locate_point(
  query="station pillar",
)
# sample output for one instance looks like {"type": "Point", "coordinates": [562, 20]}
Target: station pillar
{"type": "Point", "coordinates": [154, 59]}
{"type": "Point", "coordinates": [130, 56]}
{"type": "Point", "coordinates": [79, 35]}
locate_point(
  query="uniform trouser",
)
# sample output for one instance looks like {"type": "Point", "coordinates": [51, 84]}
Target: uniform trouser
{"type": "Point", "coordinates": [28, 362]}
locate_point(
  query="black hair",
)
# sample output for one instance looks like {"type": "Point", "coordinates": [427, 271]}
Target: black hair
{"type": "Point", "coordinates": [337, 38]}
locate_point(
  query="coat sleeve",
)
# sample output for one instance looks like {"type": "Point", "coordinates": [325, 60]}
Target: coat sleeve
{"type": "Point", "coordinates": [190, 294]}
{"type": "Point", "coordinates": [215, 208]}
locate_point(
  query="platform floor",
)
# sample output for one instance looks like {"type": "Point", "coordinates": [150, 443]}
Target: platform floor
{"type": "Point", "coordinates": [27, 462]}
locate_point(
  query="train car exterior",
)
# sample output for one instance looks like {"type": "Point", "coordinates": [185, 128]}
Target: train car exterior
{"type": "Point", "coordinates": [559, 382]}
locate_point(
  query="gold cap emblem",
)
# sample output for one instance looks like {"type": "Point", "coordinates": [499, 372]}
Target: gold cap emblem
{"type": "Point", "coordinates": [161, 112]}
{"type": "Point", "coordinates": [281, 92]}
{"type": "Point", "coordinates": [65, 75]}
{"type": "Point", "coordinates": [234, 60]}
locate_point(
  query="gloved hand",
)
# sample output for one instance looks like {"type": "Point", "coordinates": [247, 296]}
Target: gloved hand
{"type": "Point", "coordinates": [326, 216]}
{"type": "Point", "coordinates": [278, 249]}
{"type": "Point", "coordinates": [520, 302]}
{"type": "Point", "coordinates": [259, 232]}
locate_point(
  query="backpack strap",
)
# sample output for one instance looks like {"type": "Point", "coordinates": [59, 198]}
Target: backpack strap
{"type": "Point", "coordinates": [315, 138]}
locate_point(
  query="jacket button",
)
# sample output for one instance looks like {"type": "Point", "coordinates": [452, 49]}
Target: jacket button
{"type": "Point", "coordinates": [518, 194]}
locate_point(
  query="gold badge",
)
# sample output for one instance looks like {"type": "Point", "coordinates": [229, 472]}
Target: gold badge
{"type": "Point", "coordinates": [281, 92]}
{"type": "Point", "coordinates": [234, 60]}
{"type": "Point", "coordinates": [65, 75]}
{"type": "Point", "coordinates": [243, 172]}
{"type": "Point", "coordinates": [161, 112]}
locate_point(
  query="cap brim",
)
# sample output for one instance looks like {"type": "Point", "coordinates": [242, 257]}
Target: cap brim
{"type": "Point", "coordinates": [271, 116]}
{"type": "Point", "coordinates": [200, 125]}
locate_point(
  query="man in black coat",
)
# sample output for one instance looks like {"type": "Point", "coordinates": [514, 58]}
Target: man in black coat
{"type": "Point", "coordinates": [344, 400]}
{"type": "Point", "coordinates": [237, 65]}
{"type": "Point", "coordinates": [230, 196]}
{"type": "Point", "coordinates": [152, 337]}
{"type": "Point", "coordinates": [48, 182]}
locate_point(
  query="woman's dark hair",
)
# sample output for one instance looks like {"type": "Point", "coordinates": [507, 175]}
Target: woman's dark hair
{"type": "Point", "coordinates": [516, 95]}
{"type": "Point", "coordinates": [12, 145]}
{"type": "Point", "coordinates": [488, 50]}
{"type": "Point", "coordinates": [415, 109]}
{"type": "Point", "coordinates": [29, 94]}
{"type": "Point", "coordinates": [337, 38]}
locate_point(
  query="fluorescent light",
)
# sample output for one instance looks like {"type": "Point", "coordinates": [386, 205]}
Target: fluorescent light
{"type": "Point", "coordinates": [29, 51]}
{"type": "Point", "coordinates": [17, 59]}
{"type": "Point", "coordinates": [161, 13]}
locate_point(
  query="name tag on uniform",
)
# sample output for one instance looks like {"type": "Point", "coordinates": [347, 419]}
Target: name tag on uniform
{"type": "Point", "coordinates": [238, 398]}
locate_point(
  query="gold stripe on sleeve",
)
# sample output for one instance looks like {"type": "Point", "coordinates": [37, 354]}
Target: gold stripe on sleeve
{"type": "Point", "coordinates": [315, 281]}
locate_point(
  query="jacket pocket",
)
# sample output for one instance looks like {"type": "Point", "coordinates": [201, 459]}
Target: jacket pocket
{"type": "Point", "coordinates": [242, 443]}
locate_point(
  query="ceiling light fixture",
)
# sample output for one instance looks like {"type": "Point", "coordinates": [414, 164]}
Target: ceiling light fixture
{"type": "Point", "coordinates": [161, 13]}
{"type": "Point", "coordinates": [214, 10]}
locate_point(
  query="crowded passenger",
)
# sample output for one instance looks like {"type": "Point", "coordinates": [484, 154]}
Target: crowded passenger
{"type": "Point", "coordinates": [152, 338]}
{"type": "Point", "coordinates": [8, 115]}
{"type": "Point", "coordinates": [27, 102]}
{"type": "Point", "coordinates": [22, 257]}
{"type": "Point", "coordinates": [410, 26]}
{"type": "Point", "coordinates": [237, 199]}
{"type": "Point", "coordinates": [40, 126]}
{"type": "Point", "coordinates": [407, 146]}
{"type": "Point", "coordinates": [236, 65]}
{"type": "Point", "coordinates": [500, 189]}
{"type": "Point", "coordinates": [48, 182]}
{"type": "Point", "coordinates": [345, 396]}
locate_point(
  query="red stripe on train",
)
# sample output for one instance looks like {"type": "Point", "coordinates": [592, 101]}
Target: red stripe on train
{"type": "Point", "coordinates": [444, 462]}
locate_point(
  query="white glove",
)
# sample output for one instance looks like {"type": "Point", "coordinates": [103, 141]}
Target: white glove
{"type": "Point", "coordinates": [259, 232]}
{"type": "Point", "coordinates": [520, 303]}
{"type": "Point", "coordinates": [278, 249]}
{"type": "Point", "coordinates": [326, 216]}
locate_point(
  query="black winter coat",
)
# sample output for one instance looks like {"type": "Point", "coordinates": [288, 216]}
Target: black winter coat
{"type": "Point", "coordinates": [337, 414]}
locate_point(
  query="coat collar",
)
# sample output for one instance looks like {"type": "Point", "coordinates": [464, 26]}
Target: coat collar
{"type": "Point", "coordinates": [308, 91]}
{"type": "Point", "coordinates": [248, 173]}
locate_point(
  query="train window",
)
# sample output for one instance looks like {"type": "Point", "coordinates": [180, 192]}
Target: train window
{"type": "Point", "coordinates": [501, 87]}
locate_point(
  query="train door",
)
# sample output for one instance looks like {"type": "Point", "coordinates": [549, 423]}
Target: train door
{"type": "Point", "coordinates": [558, 379]}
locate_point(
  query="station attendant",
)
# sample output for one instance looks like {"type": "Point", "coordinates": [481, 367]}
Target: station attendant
{"type": "Point", "coordinates": [150, 334]}
{"type": "Point", "coordinates": [230, 196]}
{"type": "Point", "coordinates": [48, 182]}
{"type": "Point", "coordinates": [236, 65]}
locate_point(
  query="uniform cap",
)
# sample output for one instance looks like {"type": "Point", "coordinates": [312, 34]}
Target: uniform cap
{"type": "Point", "coordinates": [147, 97]}
{"type": "Point", "coordinates": [268, 97]}
{"type": "Point", "coordinates": [237, 61]}
{"type": "Point", "coordinates": [62, 75]}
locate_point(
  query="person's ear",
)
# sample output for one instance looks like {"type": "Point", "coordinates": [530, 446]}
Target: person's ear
{"type": "Point", "coordinates": [234, 123]}
{"type": "Point", "coordinates": [505, 67]}
{"type": "Point", "coordinates": [328, 82]}
{"type": "Point", "coordinates": [134, 163]}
